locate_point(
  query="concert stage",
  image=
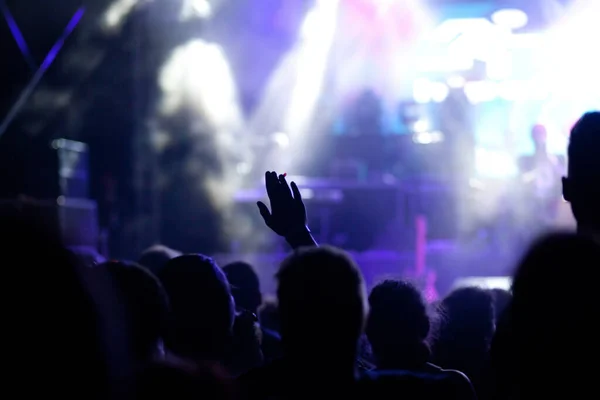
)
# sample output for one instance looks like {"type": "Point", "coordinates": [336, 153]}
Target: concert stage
{"type": "Point", "coordinates": [448, 261]}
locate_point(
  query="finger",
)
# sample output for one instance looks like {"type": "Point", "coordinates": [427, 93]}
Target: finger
{"type": "Point", "coordinates": [264, 212]}
{"type": "Point", "coordinates": [298, 199]}
{"type": "Point", "coordinates": [296, 192]}
{"type": "Point", "coordinates": [271, 183]}
{"type": "Point", "coordinates": [285, 188]}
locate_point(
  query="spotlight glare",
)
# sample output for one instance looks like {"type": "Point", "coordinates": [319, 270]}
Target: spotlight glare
{"type": "Point", "coordinates": [421, 125]}
{"type": "Point", "coordinates": [494, 163]}
{"type": "Point", "coordinates": [428, 137]}
{"type": "Point", "coordinates": [480, 91]}
{"type": "Point", "coordinates": [456, 82]}
{"type": "Point", "coordinates": [282, 139]}
{"type": "Point", "coordinates": [510, 18]}
{"type": "Point", "coordinates": [117, 13]}
{"type": "Point", "coordinates": [195, 9]}
{"type": "Point", "coordinates": [439, 92]}
{"type": "Point", "coordinates": [422, 90]}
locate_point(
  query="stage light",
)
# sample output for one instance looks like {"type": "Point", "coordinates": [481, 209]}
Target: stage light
{"type": "Point", "coordinates": [117, 13]}
{"type": "Point", "coordinates": [421, 125]}
{"type": "Point", "coordinates": [428, 137]}
{"type": "Point", "coordinates": [196, 9]}
{"type": "Point", "coordinates": [494, 163]}
{"type": "Point", "coordinates": [510, 18]}
{"type": "Point", "coordinates": [456, 81]}
{"type": "Point", "coordinates": [500, 66]}
{"type": "Point", "coordinates": [439, 92]}
{"type": "Point", "coordinates": [456, 28]}
{"type": "Point", "coordinates": [513, 90]}
{"type": "Point", "coordinates": [282, 139]}
{"type": "Point", "coordinates": [422, 90]}
{"type": "Point", "coordinates": [318, 22]}
{"type": "Point", "coordinates": [487, 283]}
{"type": "Point", "coordinates": [480, 92]}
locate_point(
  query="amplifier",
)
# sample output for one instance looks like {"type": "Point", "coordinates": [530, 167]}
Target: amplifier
{"type": "Point", "coordinates": [75, 220]}
{"type": "Point", "coordinates": [43, 170]}
{"type": "Point", "coordinates": [73, 168]}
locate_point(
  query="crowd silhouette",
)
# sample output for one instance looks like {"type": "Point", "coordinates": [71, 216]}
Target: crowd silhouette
{"type": "Point", "coordinates": [180, 326]}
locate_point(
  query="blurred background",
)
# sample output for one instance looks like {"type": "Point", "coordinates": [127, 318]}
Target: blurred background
{"type": "Point", "coordinates": [406, 123]}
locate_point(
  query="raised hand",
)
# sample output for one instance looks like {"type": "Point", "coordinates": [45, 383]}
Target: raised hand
{"type": "Point", "coordinates": [287, 216]}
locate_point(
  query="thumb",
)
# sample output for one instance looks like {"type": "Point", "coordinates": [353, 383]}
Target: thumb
{"type": "Point", "coordinates": [264, 212]}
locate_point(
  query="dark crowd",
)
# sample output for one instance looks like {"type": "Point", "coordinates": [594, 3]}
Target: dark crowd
{"type": "Point", "coordinates": [179, 326]}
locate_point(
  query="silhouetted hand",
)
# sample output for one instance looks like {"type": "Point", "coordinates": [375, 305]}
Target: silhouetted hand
{"type": "Point", "coordinates": [288, 213]}
{"type": "Point", "coordinates": [287, 217]}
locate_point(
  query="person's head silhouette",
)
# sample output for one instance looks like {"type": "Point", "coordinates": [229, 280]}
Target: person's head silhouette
{"type": "Point", "coordinates": [156, 257]}
{"type": "Point", "coordinates": [245, 286]}
{"type": "Point", "coordinates": [398, 325]}
{"type": "Point", "coordinates": [501, 299]}
{"type": "Point", "coordinates": [545, 324]}
{"type": "Point", "coordinates": [321, 307]}
{"type": "Point", "coordinates": [56, 314]}
{"type": "Point", "coordinates": [468, 318]}
{"type": "Point", "coordinates": [146, 306]}
{"type": "Point", "coordinates": [581, 186]}
{"type": "Point", "coordinates": [201, 308]}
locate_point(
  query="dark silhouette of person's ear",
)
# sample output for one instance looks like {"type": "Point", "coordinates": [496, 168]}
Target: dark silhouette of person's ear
{"type": "Point", "coordinates": [566, 189]}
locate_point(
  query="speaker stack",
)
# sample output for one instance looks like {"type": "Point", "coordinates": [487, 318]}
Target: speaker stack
{"type": "Point", "coordinates": [54, 189]}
